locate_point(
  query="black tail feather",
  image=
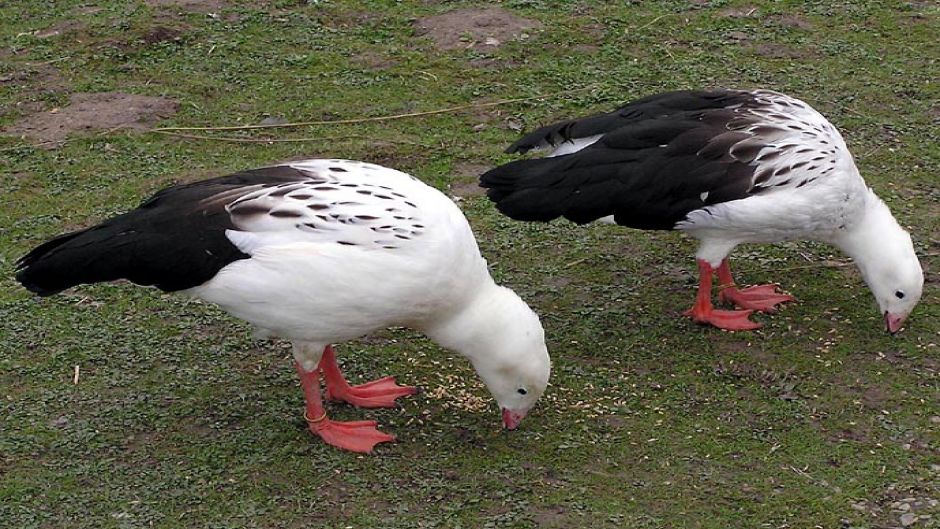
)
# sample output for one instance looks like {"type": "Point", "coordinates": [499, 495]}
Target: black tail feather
{"type": "Point", "coordinates": [544, 189]}
{"type": "Point", "coordinates": [40, 278]}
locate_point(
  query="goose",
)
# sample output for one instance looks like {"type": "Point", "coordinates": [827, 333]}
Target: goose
{"type": "Point", "coordinates": [727, 167]}
{"type": "Point", "coordinates": [317, 252]}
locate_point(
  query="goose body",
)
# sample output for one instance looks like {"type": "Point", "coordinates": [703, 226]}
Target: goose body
{"type": "Point", "coordinates": [727, 167]}
{"type": "Point", "coordinates": [317, 252]}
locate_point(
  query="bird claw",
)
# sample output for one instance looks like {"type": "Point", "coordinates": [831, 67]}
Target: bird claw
{"type": "Point", "coordinates": [380, 393]}
{"type": "Point", "coordinates": [763, 298]}
{"type": "Point", "coordinates": [729, 320]}
{"type": "Point", "coordinates": [355, 436]}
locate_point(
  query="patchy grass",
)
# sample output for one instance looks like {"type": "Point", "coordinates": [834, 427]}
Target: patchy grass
{"type": "Point", "coordinates": [181, 420]}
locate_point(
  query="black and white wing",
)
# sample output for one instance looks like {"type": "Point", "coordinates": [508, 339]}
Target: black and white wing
{"type": "Point", "coordinates": [652, 162]}
{"type": "Point", "coordinates": [183, 235]}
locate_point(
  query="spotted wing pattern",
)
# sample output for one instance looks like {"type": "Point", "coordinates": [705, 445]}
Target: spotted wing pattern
{"type": "Point", "coordinates": [339, 202]}
{"type": "Point", "coordinates": [658, 159]}
{"type": "Point", "coordinates": [183, 235]}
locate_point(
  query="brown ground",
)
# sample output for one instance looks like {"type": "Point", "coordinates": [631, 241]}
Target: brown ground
{"type": "Point", "coordinates": [780, 51]}
{"type": "Point", "coordinates": [738, 12]}
{"type": "Point", "coordinates": [792, 21]}
{"type": "Point", "coordinates": [59, 29]}
{"type": "Point", "coordinates": [93, 111]}
{"type": "Point", "coordinates": [198, 6]}
{"type": "Point", "coordinates": [465, 176]}
{"type": "Point", "coordinates": [474, 28]}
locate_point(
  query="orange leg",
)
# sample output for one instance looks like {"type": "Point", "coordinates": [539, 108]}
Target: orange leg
{"type": "Point", "coordinates": [379, 393]}
{"type": "Point", "coordinates": [356, 436]}
{"type": "Point", "coordinates": [763, 298]}
{"type": "Point", "coordinates": [704, 312]}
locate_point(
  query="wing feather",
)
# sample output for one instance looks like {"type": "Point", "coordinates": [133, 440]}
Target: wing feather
{"type": "Point", "coordinates": [659, 158]}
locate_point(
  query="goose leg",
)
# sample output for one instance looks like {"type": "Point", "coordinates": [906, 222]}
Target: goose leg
{"type": "Point", "coordinates": [379, 393]}
{"type": "Point", "coordinates": [764, 298]}
{"type": "Point", "coordinates": [356, 436]}
{"type": "Point", "coordinates": [704, 312]}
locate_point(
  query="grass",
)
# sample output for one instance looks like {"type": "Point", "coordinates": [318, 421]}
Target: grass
{"type": "Point", "coordinates": [180, 419]}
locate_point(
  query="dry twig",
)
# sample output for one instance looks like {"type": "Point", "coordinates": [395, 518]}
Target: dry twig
{"type": "Point", "coordinates": [375, 118]}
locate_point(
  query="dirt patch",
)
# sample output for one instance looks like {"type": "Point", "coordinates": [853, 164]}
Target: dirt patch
{"type": "Point", "coordinates": [551, 516]}
{"type": "Point", "coordinates": [88, 10]}
{"type": "Point", "coordinates": [874, 398]}
{"type": "Point", "coordinates": [469, 171]}
{"type": "Point", "coordinates": [465, 177]}
{"type": "Point", "coordinates": [792, 21]}
{"type": "Point", "coordinates": [778, 51]}
{"type": "Point", "coordinates": [47, 77]}
{"type": "Point", "coordinates": [94, 111]}
{"type": "Point", "coordinates": [34, 83]}
{"type": "Point", "coordinates": [197, 6]}
{"type": "Point", "coordinates": [158, 34]}
{"type": "Point", "coordinates": [58, 29]}
{"type": "Point", "coordinates": [466, 189]}
{"type": "Point", "coordinates": [738, 12]}
{"type": "Point", "coordinates": [595, 30]}
{"type": "Point", "coordinates": [493, 63]}
{"type": "Point", "coordinates": [479, 29]}
{"type": "Point", "coordinates": [585, 49]}
{"type": "Point", "coordinates": [374, 61]}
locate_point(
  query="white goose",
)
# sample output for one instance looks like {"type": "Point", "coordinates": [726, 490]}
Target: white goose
{"type": "Point", "coordinates": [317, 252]}
{"type": "Point", "coordinates": [728, 167]}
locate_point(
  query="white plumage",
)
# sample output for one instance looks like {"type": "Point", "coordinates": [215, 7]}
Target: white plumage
{"type": "Point", "coordinates": [728, 167]}
{"type": "Point", "coordinates": [317, 252]}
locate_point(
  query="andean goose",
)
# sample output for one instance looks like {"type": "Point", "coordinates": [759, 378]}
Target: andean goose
{"type": "Point", "coordinates": [727, 167]}
{"type": "Point", "coordinates": [317, 252]}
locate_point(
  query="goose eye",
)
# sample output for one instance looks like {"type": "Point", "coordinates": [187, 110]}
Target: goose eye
{"type": "Point", "coordinates": [521, 391]}
{"type": "Point", "coordinates": [899, 294]}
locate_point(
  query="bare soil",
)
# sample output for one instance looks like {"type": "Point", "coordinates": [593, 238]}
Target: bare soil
{"type": "Point", "coordinates": [465, 178]}
{"type": "Point", "coordinates": [792, 21]}
{"type": "Point", "coordinates": [474, 28]}
{"type": "Point", "coordinates": [374, 61]}
{"type": "Point", "coordinates": [94, 111]}
{"type": "Point", "coordinates": [779, 51]}
{"type": "Point", "coordinates": [738, 12]}
{"type": "Point", "coordinates": [59, 29]}
{"type": "Point", "coordinates": [158, 34]}
{"type": "Point", "coordinates": [198, 6]}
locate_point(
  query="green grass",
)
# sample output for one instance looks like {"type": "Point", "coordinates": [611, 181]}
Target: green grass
{"type": "Point", "coordinates": [180, 419]}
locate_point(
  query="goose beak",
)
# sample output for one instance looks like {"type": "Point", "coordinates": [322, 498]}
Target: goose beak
{"type": "Point", "coordinates": [512, 418]}
{"type": "Point", "coordinates": [893, 322]}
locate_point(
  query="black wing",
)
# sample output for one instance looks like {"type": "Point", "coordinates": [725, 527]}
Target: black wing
{"type": "Point", "coordinates": [175, 240]}
{"type": "Point", "coordinates": [654, 106]}
{"type": "Point", "coordinates": [658, 159]}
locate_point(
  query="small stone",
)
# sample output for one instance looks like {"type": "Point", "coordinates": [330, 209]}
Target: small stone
{"type": "Point", "coordinates": [908, 519]}
{"type": "Point", "coordinates": [935, 419]}
{"type": "Point", "coordinates": [272, 120]}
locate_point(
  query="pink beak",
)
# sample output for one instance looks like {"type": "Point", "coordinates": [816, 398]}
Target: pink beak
{"type": "Point", "coordinates": [893, 322]}
{"type": "Point", "coordinates": [512, 418]}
